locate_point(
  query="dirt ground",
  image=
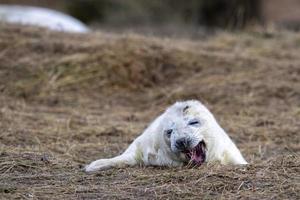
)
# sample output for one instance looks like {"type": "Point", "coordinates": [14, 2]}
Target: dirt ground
{"type": "Point", "coordinates": [66, 100]}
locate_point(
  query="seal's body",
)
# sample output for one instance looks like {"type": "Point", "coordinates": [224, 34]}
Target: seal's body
{"type": "Point", "coordinates": [185, 133]}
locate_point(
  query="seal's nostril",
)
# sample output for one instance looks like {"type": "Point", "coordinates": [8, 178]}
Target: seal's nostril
{"type": "Point", "coordinates": [188, 142]}
{"type": "Point", "coordinates": [182, 143]}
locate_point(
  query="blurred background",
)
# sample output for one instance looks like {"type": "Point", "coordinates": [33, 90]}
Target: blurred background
{"type": "Point", "coordinates": [171, 18]}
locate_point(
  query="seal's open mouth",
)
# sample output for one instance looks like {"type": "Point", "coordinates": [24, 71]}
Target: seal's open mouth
{"type": "Point", "coordinates": [197, 154]}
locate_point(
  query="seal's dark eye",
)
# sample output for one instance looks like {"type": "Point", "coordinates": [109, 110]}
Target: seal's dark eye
{"type": "Point", "coordinates": [194, 122]}
{"type": "Point", "coordinates": [169, 132]}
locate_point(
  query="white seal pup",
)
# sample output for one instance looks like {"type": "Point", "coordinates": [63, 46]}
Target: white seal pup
{"type": "Point", "coordinates": [186, 132]}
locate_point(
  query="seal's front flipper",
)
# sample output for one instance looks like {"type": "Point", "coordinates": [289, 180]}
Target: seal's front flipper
{"type": "Point", "coordinates": [233, 156]}
{"type": "Point", "coordinates": [116, 162]}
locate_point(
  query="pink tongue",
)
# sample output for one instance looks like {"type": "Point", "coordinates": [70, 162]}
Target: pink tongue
{"type": "Point", "coordinates": [197, 157]}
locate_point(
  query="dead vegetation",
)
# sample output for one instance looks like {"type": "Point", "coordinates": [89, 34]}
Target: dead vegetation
{"type": "Point", "coordinates": [69, 99]}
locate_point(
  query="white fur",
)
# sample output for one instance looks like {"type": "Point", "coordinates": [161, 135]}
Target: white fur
{"type": "Point", "coordinates": [154, 148]}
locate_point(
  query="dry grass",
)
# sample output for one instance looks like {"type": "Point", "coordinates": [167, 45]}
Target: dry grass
{"type": "Point", "coordinates": [69, 99]}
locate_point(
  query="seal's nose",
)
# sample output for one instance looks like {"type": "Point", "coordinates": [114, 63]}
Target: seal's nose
{"type": "Point", "coordinates": [183, 144]}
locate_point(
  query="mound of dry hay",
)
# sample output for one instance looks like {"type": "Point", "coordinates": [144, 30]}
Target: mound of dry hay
{"type": "Point", "coordinates": [69, 99]}
{"type": "Point", "coordinates": [48, 62]}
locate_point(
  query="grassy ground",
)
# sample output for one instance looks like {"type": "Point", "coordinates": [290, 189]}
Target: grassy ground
{"type": "Point", "coordinates": [69, 99]}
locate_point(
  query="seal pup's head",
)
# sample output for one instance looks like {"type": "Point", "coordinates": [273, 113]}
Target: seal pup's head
{"type": "Point", "coordinates": [185, 129]}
